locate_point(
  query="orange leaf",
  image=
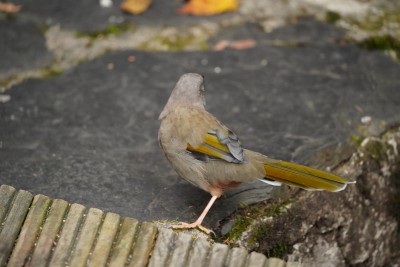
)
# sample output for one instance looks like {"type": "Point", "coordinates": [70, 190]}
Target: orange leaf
{"type": "Point", "coordinates": [243, 44]}
{"type": "Point", "coordinates": [135, 6]}
{"type": "Point", "coordinates": [208, 7]}
{"type": "Point", "coordinates": [237, 45]}
{"type": "Point", "coordinates": [9, 7]}
{"type": "Point", "coordinates": [221, 45]}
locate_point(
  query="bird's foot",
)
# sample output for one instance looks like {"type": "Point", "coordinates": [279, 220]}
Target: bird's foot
{"type": "Point", "coordinates": [183, 225]}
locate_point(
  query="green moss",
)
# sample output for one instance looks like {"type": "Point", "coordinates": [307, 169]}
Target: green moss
{"type": "Point", "coordinates": [274, 209]}
{"type": "Point", "coordinates": [278, 251]}
{"type": "Point", "coordinates": [174, 43]}
{"type": "Point", "coordinates": [260, 232]}
{"type": "Point", "coordinates": [375, 149]}
{"type": "Point", "coordinates": [111, 29]}
{"type": "Point", "coordinates": [332, 17]}
{"type": "Point", "coordinates": [52, 71]}
{"type": "Point", "coordinates": [384, 42]}
{"type": "Point", "coordinates": [378, 25]}
{"type": "Point", "coordinates": [42, 28]}
{"type": "Point", "coordinates": [9, 16]}
{"type": "Point", "coordinates": [268, 210]}
{"type": "Point", "coordinates": [272, 235]}
{"type": "Point", "coordinates": [247, 214]}
{"type": "Point", "coordinates": [4, 83]}
{"type": "Point", "coordinates": [377, 21]}
{"type": "Point", "coordinates": [204, 46]}
{"type": "Point", "coordinates": [356, 140]}
{"type": "Point", "coordinates": [241, 225]}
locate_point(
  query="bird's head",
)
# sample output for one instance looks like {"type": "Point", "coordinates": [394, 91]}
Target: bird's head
{"type": "Point", "coordinates": [189, 90]}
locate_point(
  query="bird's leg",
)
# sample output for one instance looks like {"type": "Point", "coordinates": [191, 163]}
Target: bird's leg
{"type": "Point", "coordinates": [197, 223]}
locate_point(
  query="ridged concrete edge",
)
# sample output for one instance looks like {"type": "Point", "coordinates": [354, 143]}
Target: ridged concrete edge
{"type": "Point", "coordinates": [40, 231]}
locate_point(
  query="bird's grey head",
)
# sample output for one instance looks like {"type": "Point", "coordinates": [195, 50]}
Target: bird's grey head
{"type": "Point", "coordinates": [188, 90]}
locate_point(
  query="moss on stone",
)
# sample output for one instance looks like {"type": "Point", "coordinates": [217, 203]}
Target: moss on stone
{"type": "Point", "coordinates": [332, 17]}
{"type": "Point", "coordinates": [241, 224]}
{"type": "Point", "coordinates": [247, 219]}
{"type": "Point", "coordinates": [260, 231]}
{"type": "Point", "coordinates": [174, 43]}
{"type": "Point", "coordinates": [384, 42]}
{"type": "Point", "coordinates": [111, 29]}
{"type": "Point", "coordinates": [383, 29]}
{"type": "Point", "coordinates": [377, 21]}
{"type": "Point", "coordinates": [279, 250]}
{"type": "Point", "coordinates": [356, 140]}
{"type": "Point", "coordinates": [8, 16]}
{"type": "Point", "coordinates": [4, 83]}
{"type": "Point", "coordinates": [273, 237]}
{"type": "Point", "coordinates": [51, 71]}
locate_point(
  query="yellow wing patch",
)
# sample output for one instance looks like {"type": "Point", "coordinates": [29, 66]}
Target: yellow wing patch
{"type": "Point", "coordinates": [217, 145]}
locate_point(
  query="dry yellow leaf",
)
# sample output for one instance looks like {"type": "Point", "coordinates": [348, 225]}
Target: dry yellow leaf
{"type": "Point", "coordinates": [135, 6]}
{"type": "Point", "coordinates": [208, 7]}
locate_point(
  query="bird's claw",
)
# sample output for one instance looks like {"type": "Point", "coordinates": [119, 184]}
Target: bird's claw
{"type": "Point", "coordinates": [183, 225]}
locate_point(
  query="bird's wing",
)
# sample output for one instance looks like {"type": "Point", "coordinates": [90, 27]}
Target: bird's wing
{"type": "Point", "coordinates": [203, 136]}
{"type": "Point", "coordinates": [222, 144]}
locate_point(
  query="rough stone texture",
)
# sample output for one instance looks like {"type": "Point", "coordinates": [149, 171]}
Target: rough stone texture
{"type": "Point", "coordinates": [356, 227]}
{"type": "Point", "coordinates": [22, 47]}
{"type": "Point", "coordinates": [90, 135]}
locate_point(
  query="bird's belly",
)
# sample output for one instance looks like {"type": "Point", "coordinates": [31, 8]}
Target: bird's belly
{"type": "Point", "coordinates": [227, 175]}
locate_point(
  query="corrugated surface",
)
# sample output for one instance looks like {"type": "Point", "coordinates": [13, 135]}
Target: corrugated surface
{"type": "Point", "coordinates": [39, 231]}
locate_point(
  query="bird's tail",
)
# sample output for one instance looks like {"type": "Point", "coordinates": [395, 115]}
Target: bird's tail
{"type": "Point", "coordinates": [277, 172]}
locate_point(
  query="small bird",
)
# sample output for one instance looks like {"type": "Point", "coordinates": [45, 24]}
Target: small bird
{"type": "Point", "coordinates": [210, 156]}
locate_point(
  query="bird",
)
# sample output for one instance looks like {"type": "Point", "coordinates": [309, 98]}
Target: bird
{"type": "Point", "coordinates": [209, 155]}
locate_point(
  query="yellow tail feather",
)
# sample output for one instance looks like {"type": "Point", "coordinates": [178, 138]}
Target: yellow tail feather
{"type": "Point", "coordinates": [304, 177]}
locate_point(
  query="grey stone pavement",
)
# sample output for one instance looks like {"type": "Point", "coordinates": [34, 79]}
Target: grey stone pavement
{"type": "Point", "coordinates": [89, 134]}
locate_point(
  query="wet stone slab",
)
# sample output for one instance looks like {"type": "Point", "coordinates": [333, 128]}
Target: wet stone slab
{"type": "Point", "coordinates": [90, 134]}
{"type": "Point", "coordinates": [22, 46]}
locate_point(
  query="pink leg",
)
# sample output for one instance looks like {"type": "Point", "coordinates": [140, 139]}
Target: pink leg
{"type": "Point", "coordinates": [198, 222]}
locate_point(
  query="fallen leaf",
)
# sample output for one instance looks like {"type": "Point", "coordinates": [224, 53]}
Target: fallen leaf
{"type": "Point", "coordinates": [208, 7]}
{"type": "Point", "coordinates": [243, 44]}
{"type": "Point", "coordinates": [135, 6]}
{"type": "Point", "coordinates": [131, 58]}
{"type": "Point", "coordinates": [221, 45]}
{"type": "Point", "coordinates": [237, 45]}
{"type": "Point", "coordinates": [9, 7]}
